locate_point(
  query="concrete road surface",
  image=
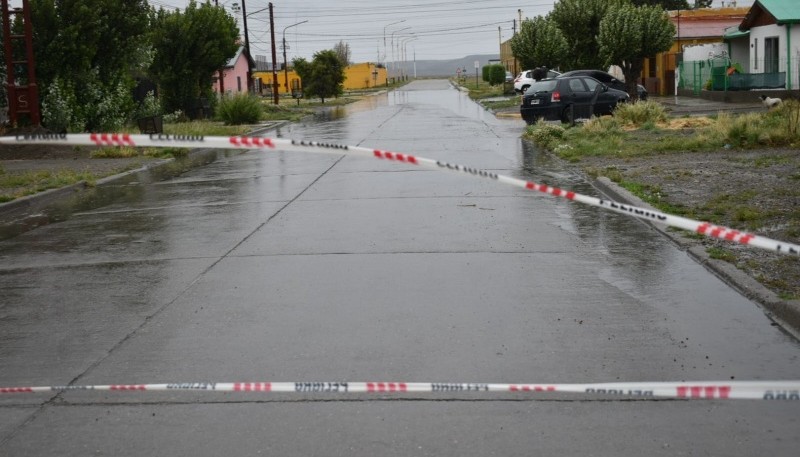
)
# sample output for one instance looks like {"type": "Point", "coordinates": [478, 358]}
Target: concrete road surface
{"type": "Point", "coordinates": [301, 267]}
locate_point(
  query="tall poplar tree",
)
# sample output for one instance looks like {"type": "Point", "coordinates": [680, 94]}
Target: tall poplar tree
{"type": "Point", "coordinates": [629, 34]}
{"type": "Point", "coordinates": [579, 22]}
{"type": "Point", "coordinates": [539, 43]}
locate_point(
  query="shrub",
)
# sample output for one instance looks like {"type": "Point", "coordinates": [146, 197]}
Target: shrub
{"type": "Point", "coordinates": [497, 75]}
{"type": "Point", "coordinates": [149, 106]}
{"type": "Point", "coordinates": [59, 108]}
{"type": "Point", "coordinates": [640, 113]}
{"type": "Point", "coordinates": [603, 125]}
{"type": "Point", "coordinates": [545, 134]}
{"type": "Point", "coordinates": [240, 109]}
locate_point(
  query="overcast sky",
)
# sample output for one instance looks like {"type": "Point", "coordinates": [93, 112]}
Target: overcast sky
{"type": "Point", "coordinates": [435, 29]}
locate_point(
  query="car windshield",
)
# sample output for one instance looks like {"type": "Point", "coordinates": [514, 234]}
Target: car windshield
{"type": "Point", "coordinates": [545, 85]}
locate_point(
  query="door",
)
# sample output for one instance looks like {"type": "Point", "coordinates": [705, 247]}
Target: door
{"type": "Point", "coordinates": [771, 55]}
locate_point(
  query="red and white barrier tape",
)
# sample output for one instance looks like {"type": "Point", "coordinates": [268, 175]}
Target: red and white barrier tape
{"type": "Point", "coordinates": [189, 141]}
{"type": "Point", "coordinates": [739, 390]}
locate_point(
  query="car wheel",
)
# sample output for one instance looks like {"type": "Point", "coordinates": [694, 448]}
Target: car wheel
{"type": "Point", "coordinates": [566, 115]}
{"type": "Point", "coordinates": [524, 88]}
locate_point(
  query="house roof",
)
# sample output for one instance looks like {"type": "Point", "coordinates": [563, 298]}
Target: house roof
{"type": "Point", "coordinates": [232, 62]}
{"type": "Point", "coordinates": [688, 29]}
{"type": "Point", "coordinates": [779, 11]}
{"type": "Point", "coordinates": [734, 32]}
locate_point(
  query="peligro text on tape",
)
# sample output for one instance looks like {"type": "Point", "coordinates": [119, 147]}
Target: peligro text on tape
{"type": "Point", "coordinates": [717, 390]}
{"type": "Point", "coordinates": [161, 140]}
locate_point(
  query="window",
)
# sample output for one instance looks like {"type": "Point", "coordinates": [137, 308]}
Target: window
{"type": "Point", "coordinates": [591, 83]}
{"type": "Point", "coordinates": [575, 85]}
{"type": "Point", "coordinates": [771, 55]}
{"type": "Point", "coordinates": [755, 53]}
{"type": "Point", "coordinates": [239, 82]}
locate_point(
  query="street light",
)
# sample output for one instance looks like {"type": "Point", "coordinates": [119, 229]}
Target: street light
{"type": "Point", "coordinates": [285, 67]}
{"type": "Point", "coordinates": [392, 43]}
{"type": "Point", "coordinates": [384, 38]}
{"type": "Point", "coordinates": [403, 42]}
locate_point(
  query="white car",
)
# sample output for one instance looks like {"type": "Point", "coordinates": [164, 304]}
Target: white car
{"type": "Point", "coordinates": [525, 79]}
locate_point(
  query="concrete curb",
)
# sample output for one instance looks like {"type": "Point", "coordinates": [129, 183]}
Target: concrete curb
{"type": "Point", "coordinates": [785, 313]}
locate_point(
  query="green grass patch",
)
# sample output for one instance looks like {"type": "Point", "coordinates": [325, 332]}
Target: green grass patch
{"type": "Point", "coordinates": [721, 254]}
{"type": "Point", "coordinates": [653, 195]}
{"type": "Point", "coordinates": [15, 185]}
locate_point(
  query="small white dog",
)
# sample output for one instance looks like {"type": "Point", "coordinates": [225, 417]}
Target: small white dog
{"type": "Point", "coordinates": [769, 102]}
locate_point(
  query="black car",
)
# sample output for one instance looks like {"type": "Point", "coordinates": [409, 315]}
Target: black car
{"type": "Point", "coordinates": [609, 80]}
{"type": "Point", "coordinates": [569, 98]}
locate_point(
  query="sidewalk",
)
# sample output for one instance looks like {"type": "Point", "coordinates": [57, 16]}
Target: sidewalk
{"type": "Point", "coordinates": [693, 106]}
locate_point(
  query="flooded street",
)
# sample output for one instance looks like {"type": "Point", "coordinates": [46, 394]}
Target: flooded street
{"type": "Point", "coordinates": [277, 266]}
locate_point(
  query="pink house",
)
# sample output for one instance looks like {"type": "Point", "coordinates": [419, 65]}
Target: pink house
{"type": "Point", "coordinates": [234, 75]}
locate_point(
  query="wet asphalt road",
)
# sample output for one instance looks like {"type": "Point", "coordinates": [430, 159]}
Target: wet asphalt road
{"type": "Point", "coordinates": [303, 267]}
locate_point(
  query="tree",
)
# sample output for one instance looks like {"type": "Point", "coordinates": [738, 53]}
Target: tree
{"type": "Point", "coordinates": [539, 43]}
{"type": "Point", "coordinates": [669, 5]}
{"type": "Point", "coordinates": [190, 47]}
{"type": "Point", "coordinates": [702, 4]}
{"type": "Point", "coordinates": [579, 22]}
{"type": "Point", "coordinates": [342, 50]}
{"type": "Point", "coordinates": [323, 77]}
{"type": "Point", "coordinates": [629, 34]}
{"type": "Point", "coordinates": [84, 50]}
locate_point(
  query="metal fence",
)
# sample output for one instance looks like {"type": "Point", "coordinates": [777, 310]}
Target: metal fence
{"type": "Point", "coordinates": [720, 74]}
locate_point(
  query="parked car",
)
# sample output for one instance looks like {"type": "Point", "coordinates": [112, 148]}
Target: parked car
{"type": "Point", "coordinates": [567, 98]}
{"type": "Point", "coordinates": [509, 77]}
{"type": "Point", "coordinates": [609, 80]}
{"type": "Point", "coordinates": [525, 79]}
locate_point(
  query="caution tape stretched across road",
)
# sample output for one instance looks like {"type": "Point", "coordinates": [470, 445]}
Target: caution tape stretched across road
{"type": "Point", "coordinates": [245, 142]}
{"type": "Point", "coordinates": [739, 390]}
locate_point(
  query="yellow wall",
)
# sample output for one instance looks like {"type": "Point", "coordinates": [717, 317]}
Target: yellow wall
{"type": "Point", "coordinates": [266, 81]}
{"type": "Point", "coordinates": [360, 76]}
{"type": "Point", "coordinates": [357, 76]}
{"type": "Point", "coordinates": [508, 60]}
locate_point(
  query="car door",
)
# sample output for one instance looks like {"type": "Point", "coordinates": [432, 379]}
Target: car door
{"type": "Point", "coordinates": [580, 97]}
{"type": "Point", "coordinates": [603, 103]}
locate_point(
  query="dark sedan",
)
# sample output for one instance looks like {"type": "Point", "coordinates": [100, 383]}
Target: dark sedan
{"type": "Point", "coordinates": [569, 98]}
{"type": "Point", "coordinates": [609, 80]}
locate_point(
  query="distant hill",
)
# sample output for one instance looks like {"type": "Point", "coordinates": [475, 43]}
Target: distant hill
{"type": "Point", "coordinates": [426, 68]}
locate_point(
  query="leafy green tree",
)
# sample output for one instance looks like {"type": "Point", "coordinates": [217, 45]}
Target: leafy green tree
{"type": "Point", "coordinates": [84, 49]}
{"type": "Point", "coordinates": [702, 4]}
{"type": "Point", "coordinates": [629, 34]}
{"type": "Point", "coordinates": [579, 22]}
{"type": "Point", "coordinates": [190, 47]}
{"type": "Point", "coordinates": [669, 5]}
{"type": "Point", "coordinates": [539, 43]}
{"type": "Point", "coordinates": [323, 77]}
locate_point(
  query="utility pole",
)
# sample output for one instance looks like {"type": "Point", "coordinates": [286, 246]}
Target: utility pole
{"type": "Point", "coordinates": [247, 48]}
{"type": "Point", "coordinates": [274, 56]}
{"type": "Point", "coordinates": [221, 70]}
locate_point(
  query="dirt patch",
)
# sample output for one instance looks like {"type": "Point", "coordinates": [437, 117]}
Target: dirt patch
{"type": "Point", "coordinates": [753, 191]}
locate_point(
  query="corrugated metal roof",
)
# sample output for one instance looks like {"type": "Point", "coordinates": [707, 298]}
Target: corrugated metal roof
{"type": "Point", "coordinates": [785, 11]}
{"type": "Point", "coordinates": [703, 29]}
